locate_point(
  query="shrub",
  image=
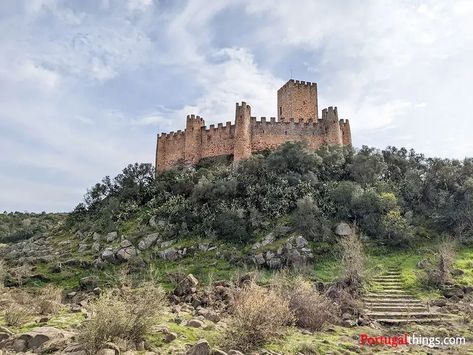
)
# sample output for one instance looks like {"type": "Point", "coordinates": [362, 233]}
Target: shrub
{"type": "Point", "coordinates": [311, 310]}
{"type": "Point", "coordinates": [123, 315]}
{"type": "Point", "coordinates": [258, 315]}
{"type": "Point", "coordinates": [352, 259]}
{"type": "Point", "coordinates": [440, 273]}
{"type": "Point", "coordinates": [17, 315]}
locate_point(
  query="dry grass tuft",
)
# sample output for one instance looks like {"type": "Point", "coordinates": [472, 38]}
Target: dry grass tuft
{"type": "Point", "coordinates": [49, 300]}
{"type": "Point", "coordinates": [17, 315]}
{"type": "Point", "coordinates": [258, 315]}
{"type": "Point", "coordinates": [122, 316]}
{"type": "Point", "coordinates": [311, 310]}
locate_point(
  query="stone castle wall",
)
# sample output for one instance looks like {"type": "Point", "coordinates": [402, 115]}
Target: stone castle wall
{"type": "Point", "coordinates": [249, 135]}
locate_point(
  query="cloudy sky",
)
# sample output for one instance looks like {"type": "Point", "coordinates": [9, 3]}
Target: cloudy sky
{"type": "Point", "coordinates": [86, 85]}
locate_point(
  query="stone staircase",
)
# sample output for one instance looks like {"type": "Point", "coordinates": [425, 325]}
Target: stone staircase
{"type": "Point", "coordinates": [389, 303]}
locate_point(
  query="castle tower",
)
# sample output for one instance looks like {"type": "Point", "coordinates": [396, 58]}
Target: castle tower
{"type": "Point", "coordinates": [346, 132]}
{"type": "Point", "coordinates": [242, 146]}
{"type": "Point", "coordinates": [160, 153]}
{"type": "Point", "coordinates": [298, 100]}
{"type": "Point", "coordinates": [333, 132]}
{"type": "Point", "coordinates": [193, 145]}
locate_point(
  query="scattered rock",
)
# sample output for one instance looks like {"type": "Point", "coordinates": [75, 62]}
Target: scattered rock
{"type": "Point", "coordinates": [89, 283]}
{"type": "Point", "coordinates": [439, 303]}
{"type": "Point", "coordinates": [126, 252]}
{"type": "Point", "coordinates": [259, 259]}
{"type": "Point", "coordinates": [169, 337]}
{"type": "Point", "coordinates": [301, 242]}
{"type": "Point", "coordinates": [148, 241]}
{"type": "Point", "coordinates": [275, 263]}
{"type": "Point", "coordinates": [170, 254]}
{"type": "Point", "coordinates": [167, 243]}
{"type": "Point", "coordinates": [202, 347]}
{"type": "Point", "coordinates": [111, 237]}
{"type": "Point", "coordinates": [186, 286]}
{"type": "Point", "coordinates": [4, 336]}
{"type": "Point", "coordinates": [35, 338]}
{"type": "Point", "coordinates": [96, 247]}
{"type": "Point", "coordinates": [82, 248]}
{"type": "Point", "coordinates": [343, 229]}
{"type": "Point", "coordinates": [96, 237]}
{"type": "Point", "coordinates": [195, 323]}
{"type": "Point", "coordinates": [108, 255]}
{"type": "Point", "coordinates": [218, 352]}
{"type": "Point", "coordinates": [455, 291]}
{"type": "Point", "coordinates": [457, 272]}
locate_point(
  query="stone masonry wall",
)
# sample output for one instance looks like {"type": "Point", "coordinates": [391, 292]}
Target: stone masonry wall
{"type": "Point", "coordinates": [297, 121]}
{"type": "Point", "coordinates": [298, 100]}
{"type": "Point", "coordinates": [263, 135]}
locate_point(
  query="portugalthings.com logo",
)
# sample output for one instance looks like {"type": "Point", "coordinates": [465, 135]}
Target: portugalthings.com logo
{"type": "Point", "coordinates": [410, 339]}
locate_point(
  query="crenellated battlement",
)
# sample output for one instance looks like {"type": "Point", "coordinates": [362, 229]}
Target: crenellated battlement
{"type": "Point", "coordinates": [302, 83]}
{"type": "Point", "coordinates": [297, 120]}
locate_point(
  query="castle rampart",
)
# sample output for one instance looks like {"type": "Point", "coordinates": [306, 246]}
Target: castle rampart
{"type": "Point", "coordinates": [250, 135]}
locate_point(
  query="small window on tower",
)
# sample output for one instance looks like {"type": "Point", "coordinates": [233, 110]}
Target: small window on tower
{"type": "Point", "coordinates": [280, 110]}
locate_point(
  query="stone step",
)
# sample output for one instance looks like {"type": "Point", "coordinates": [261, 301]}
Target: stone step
{"type": "Point", "coordinates": [393, 308]}
{"type": "Point", "coordinates": [393, 303]}
{"type": "Point", "coordinates": [392, 291]}
{"type": "Point", "coordinates": [394, 321]}
{"type": "Point", "coordinates": [393, 297]}
{"type": "Point", "coordinates": [403, 315]}
{"type": "Point", "coordinates": [388, 287]}
{"type": "Point", "coordinates": [391, 300]}
{"type": "Point", "coordinates": [389, 282]}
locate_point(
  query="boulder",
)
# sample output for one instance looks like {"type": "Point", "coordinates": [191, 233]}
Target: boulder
{"type": "Point", "coordinates": [39, 336]}
{"type": "Point", "coordinates": [195, 323]}
{"type": "Point", "coordinates": [126, 253]}
{"type": "Point", "coordinates": [108, 255]}
{"type": "Point", "coordinates": [148, 241]}
{"type": "Point", "coordinates": [169, 337]}
{"type": "Point", "coordinates": [457, 272]}
{"type": "Point", "coordinates": [170, 254]}
{"type": "Point", "coordinates": [96, 237]}
{"type": "Point", "coordinates": [89, 283]}
{"type": "Point", "coordinates": [4, 336]}
{"type": "Point", "coordinates": [343, 229]}
{"type": "Point", "coordinates": [259, 259]}
{"type": "Point", "coordinates": [125, 243]}
{"type": "Point", "coordinates": [202, 347]}
{"type": "Point", "coordinates": [218, 352]}
{"type": "Point", "coordinates": [454, 292]}
{"type": "Point", "coordinates": [111, 237]}
{"type": "Point", "coordinates": [301, 242]}
{"type": "Point", "coordinates": [275, 263]}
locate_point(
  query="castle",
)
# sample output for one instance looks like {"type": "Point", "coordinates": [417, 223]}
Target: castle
{"type": "Point", "coordinates": [298, 120]}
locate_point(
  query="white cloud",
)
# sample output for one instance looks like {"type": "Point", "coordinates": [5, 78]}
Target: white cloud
{"type": "Point", "coordinates": [76, 81]}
